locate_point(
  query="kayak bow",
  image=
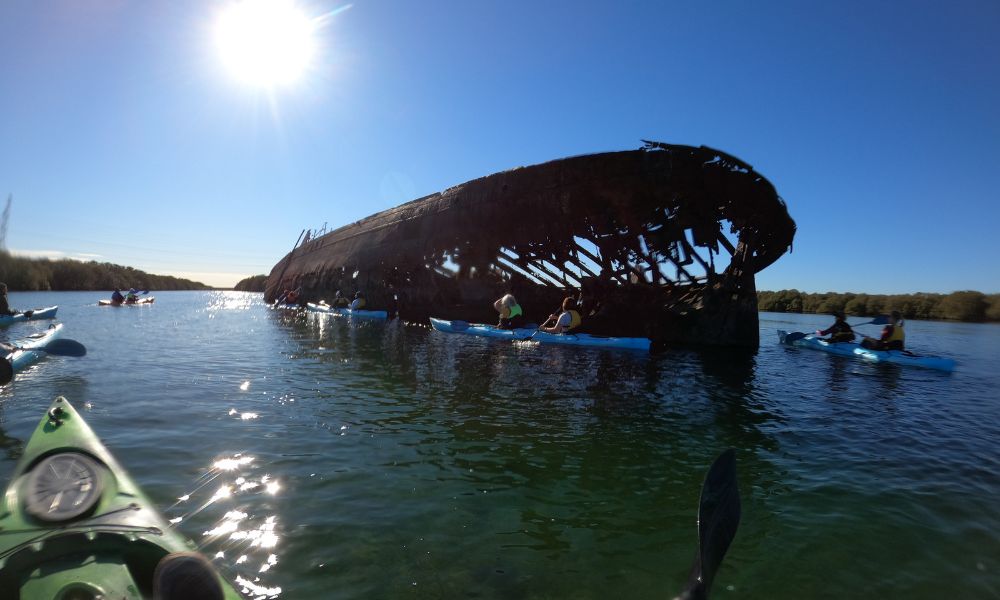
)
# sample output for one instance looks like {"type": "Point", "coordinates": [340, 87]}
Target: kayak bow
{"type": "Point", "coordinates": [74, 524]}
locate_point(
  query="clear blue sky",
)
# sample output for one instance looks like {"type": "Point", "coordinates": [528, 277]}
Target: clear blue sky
{"type": "Point", "coordinates": [125, 138]}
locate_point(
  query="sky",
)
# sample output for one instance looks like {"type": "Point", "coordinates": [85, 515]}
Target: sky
{"type": "Point", "coordinates": [132, 133]}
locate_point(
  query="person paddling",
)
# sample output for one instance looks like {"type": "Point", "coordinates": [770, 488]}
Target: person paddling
{"type": "Point", "coordinates": [511, 315]}
{"type": "Point", "coordinates": [893, 337]}
{"type": "Point", "coordinates": [5, 308]}
{"type": "Point", "coordinates": [359, 301]}
{"type": "Point", "coordinates": [116, 297]}
{"type": "Point", "coordinates": [339, 301]}
{"type": "Point", "coordinates": [565, 321]}
{"type": "Point", "coordinates": [840, 331]}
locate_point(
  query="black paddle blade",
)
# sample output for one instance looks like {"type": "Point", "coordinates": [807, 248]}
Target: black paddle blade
{"type": "Point", "coordinates": [718, 517]}
{"type": "Point", "coordinates": [6, 371]}
{"type": "Point", "coordinates": [64, 347]}
{"type": "Point", "coordinates": [795, 335]}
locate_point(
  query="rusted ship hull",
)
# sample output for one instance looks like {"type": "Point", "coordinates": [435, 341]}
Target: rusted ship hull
{"type": "Point", "coordinates": [662, 242]}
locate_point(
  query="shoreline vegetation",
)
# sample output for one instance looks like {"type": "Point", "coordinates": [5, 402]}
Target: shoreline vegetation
{"type": "Point", "coordinates": [45, 275]}
{"type": "Point", "coordinates": [251, 284]}
{"type": "Point", "coordinates": [968, 305]}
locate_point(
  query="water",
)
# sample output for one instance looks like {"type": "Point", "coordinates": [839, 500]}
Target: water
{"type": "Point", "coordinates": [333, 459]}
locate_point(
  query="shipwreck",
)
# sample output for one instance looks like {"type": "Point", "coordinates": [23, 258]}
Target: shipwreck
{"type": "Point", "coordinates": [662, 242]}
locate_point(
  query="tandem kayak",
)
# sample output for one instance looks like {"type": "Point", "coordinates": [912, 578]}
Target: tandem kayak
{"type": "Point", "coordinates": [29, 315]}
{"type": "Point", "coordinates": [147, 300]}
{"type": "Point", "coordinates": [25, 356]}
{"type": "Point", "coordinates": [568, 339]}
{"type": "Point", "coordinates": [346, 312]}
{"type": "Point", "coordinates": [899, 357]}
{"type": "Point", "coordinates": [75, 525]}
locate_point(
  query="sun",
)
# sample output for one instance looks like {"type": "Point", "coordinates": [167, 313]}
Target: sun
{"type": "Point", "coordinates": [265, 43]}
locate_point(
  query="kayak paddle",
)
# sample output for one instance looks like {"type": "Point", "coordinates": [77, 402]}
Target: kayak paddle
{"type": "Point", "coordinates": [718, 518]}
{"type": "Point", "coordinates": [60, 347]}
{"type": "Point", "coordinates": [798, 335]}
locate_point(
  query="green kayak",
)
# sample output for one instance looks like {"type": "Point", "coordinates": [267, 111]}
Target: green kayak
{"type": "Point", "coordinates": [73, 525]}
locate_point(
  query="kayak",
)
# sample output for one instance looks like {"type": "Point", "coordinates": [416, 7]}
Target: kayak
{"type": "Point", "coordinates": [346, 312]}
{"type": "Point", "coordinates": [29, 315]}
{"type": "Point", "coordinates": [285, 306]}
{"type": "Point", "coordinates": [146, 300]}
{"type": "Point", "coordinates": [568, 339]}
{"type": "Point", "coordinates": [24, 356]}
{"type": "Point", "coordinates": [75, 525]}
{"type": "Point", "coordinates": [899, 357]}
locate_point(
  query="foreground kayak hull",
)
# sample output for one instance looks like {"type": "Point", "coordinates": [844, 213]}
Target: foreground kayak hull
{"type": "Point", "coordinates": [31, 315]}
{"type": "Point", "coordinates": [25, 356]}
{"type": "Point", "coordinates": [139, 302]}
{"type": "Point", "coordinates": [565, 339]}
{"type": "Point", "coordinates": [346, 312]}
{"type": "Point", "coordinates": [73, 519]}
{"type": "Point", "coordinates": [853, 350]}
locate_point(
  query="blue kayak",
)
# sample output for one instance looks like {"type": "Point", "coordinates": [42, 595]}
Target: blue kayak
{"type": "Point", "coordinates": [346, 312]}
{"type": "Point", "coordinates": [24, 356]}
{"type": "Point", "coordinates": [898, 357]}
{"type": "Point", "coordinates": [29, 315]}
{"type": "Point", "coordinates": [567, 339]}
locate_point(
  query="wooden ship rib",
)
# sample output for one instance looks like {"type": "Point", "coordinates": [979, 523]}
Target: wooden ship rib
{"type": "Point", "coordinates": [663, 242]}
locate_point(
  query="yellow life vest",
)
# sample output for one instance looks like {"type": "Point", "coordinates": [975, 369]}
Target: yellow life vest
{"type": "Point", "coordinates": [574, 320]}
{"type": "Point", "coordinates": [897, 335]}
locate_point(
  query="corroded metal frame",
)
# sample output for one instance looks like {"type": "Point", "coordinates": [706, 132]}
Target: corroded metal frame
{"type": "Point", "coordinates": [663, 241]}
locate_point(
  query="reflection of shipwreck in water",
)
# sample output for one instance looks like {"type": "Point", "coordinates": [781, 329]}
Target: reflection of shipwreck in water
{"type": "Point", "coordinates": [664, 242]}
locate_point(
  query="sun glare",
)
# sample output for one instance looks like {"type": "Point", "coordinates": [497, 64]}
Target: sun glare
{"type": "Point", "coordinates": [265, 42]}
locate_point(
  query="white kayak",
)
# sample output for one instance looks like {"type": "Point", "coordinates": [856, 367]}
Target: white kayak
{"type": "Point", "coordinates": [346, 312]}
{"type": "Point", "coordinates": [25, 356]}
{"type": "Point", "coordinates": [899, 357]}
{"type": "Point", "coordinates": [29, 315]}
{"type": "Point", "coordinates": [568, 339]}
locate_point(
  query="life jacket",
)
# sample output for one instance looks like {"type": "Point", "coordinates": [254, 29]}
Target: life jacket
{"type": "Point", "coordinates": [897, 335]}
{"type": "Point", "coordinates": [341, 302]}
{"type": "Point", "coordinates": [361, 303]}
{"type": "Point", "coordinates": [509, 312]}
{"type": "Point", "coordinates": [574, 320]}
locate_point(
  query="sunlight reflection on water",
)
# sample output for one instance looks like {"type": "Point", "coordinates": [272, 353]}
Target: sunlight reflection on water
{"type": "Point", "coordinates": [244, 535]}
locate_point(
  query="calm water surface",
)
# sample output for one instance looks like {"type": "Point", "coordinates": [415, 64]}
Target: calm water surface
{"type": "Point", "coordinates": [317, 457]}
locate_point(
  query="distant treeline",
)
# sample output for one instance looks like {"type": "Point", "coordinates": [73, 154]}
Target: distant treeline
{"type": "Point", "coordinates": [251, 284]}
{"type": "Point", "coordinates": [41, 274]}
{"type": "Point", "coordinates": [956, 306]}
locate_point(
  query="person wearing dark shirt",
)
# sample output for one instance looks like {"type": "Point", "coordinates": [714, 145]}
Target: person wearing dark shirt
{"type": "Point", "coordinates": [5, 308]}
{"type": "Point", "coordinates": [117, 298]}
{"type": "Point", "coordinates": [840, 331]}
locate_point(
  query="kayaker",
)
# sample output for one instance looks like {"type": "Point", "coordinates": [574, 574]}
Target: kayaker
{"type": "Point", "coordinates": [840, 331]}
{"type": "Point", "coordinates": [893, 337]}
{"type": "Point", "coordinates": [359, 301]}
{"type": "Point", "coordinates": [5, 308]}
{"type": "Point", "coordinates": [292, 297]}
{"type": "Point", "coordinates": [511, 315]}
{"type": "Point", "coordinates": [132, 296]}
{"type": "Point", "coordinates": [566, 321]}
{"type": "Point", "coordinates": [116, 297]}
{"type": "Point", "coordinates": [339, 301]}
